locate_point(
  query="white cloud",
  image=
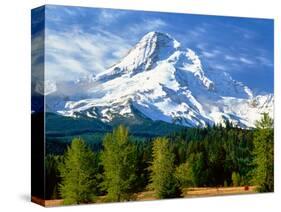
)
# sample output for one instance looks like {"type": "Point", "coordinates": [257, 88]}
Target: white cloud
{"type": "Point", "coordinates": [37, 52]}
{"type": "Point", "coordinates": [198, 34]}
{"type": "Point", "coordinates": [107, 17]}
{"type": "Point", "coordinates": [71, 11]}
{"type": "Point", "coordinates": [212, 54]}
{"type": "Point", "coordinates": [220, 67]}
{"type": "Point", "coordinates": [154, 24]}
{"type": "Point", "coordinates": [74, 54]}
{"type": "Point", "coordinates": [264, 61]}
{"type": "Point", "coordinates": [147, 25]}
{"type": "Point", "coordinates": [246, 61]}
{"type": "Point", "coordinates": [230, 58]}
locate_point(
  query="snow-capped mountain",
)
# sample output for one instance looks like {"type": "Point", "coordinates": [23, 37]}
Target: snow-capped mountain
{"type": "Point", "coordinates": [163, 81]}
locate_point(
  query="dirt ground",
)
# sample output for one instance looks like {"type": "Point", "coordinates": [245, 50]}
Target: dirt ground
{"type": "Point", "coordinates": [150, 195]}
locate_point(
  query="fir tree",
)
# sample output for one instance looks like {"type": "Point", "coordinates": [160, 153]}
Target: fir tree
{"type": "Point", "coordinates": [198, 169]}
{"type": "Point", "coordinates": [119, 163]}
{"type": "Point", "coordinates": [263, 154]}
{"type": "Point", "coordinates": [183, 175]}
{"type": "Point", "coordinates": [162, 169]}
{"type": "Point", "coordinates": [78, 174]}
{"type": "Point", "coordinates": [52, 176]}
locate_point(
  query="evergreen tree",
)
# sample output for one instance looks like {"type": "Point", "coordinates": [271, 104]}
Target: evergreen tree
{"type": "Point", "coordinates": [198, 169]}
{"type": "Point", "coordinates": [162, 169]}
{"type": "Point", "coordinates": [119, 163]}
{"type": "Point", "coordinates": [236, 180]}
{"type": "Point", "coordinates": [52, 176]}
{"type": "Point", "coordinates": [263, 154]}
{"type": "Point", "coordinates": [183, 175]}
{"type": "Point", "coordinates": [144, 149]}
{"type": "Point", "coordinates": [78, 171]}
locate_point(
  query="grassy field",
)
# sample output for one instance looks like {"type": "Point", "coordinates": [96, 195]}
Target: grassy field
{"type": "Point", "coordinates": [201, 192]}
{"type": "Point", "coordinates": [187, 193]}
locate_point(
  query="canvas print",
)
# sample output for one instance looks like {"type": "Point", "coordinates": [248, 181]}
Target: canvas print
{"type": "Point", "coordinates": [135, 105]}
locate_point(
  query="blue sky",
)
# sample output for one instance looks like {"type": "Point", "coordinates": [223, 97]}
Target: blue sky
{"type": "Point", "coordinates": [82, 41]}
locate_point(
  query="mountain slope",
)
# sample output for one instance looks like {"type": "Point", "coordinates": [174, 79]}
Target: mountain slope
{"type": "Point", "coordinates": [163, 81]}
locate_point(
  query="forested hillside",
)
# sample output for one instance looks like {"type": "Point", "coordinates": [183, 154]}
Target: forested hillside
{"type": "Point", "coordinates": [214, 156]}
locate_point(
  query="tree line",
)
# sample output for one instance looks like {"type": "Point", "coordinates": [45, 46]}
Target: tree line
{"type": "Point", "coordinates": [196, 157]}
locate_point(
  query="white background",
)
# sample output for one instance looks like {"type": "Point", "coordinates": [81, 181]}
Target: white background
{"type": "Point", "coordinates": [15, 104]}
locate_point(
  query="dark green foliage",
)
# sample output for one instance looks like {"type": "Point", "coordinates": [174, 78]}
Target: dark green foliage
{"type": "Point", "coordinates": [198, 169]}
{"type": "Point", "coordinates": [214, 153]}
{"type": "Point", "coordinates": [119, 163]}
{"type": "Point", "coordinates": [124, 164]}
{"type": "Point", "coordinates": [57, 125]}
{"type": "Point", "coordinates": [144, 158]}
{"type": "Point", "coordinates": [58, 145]}
{"type": "Point", "coordinates": [163, 180]}
{"type": "Point", "coordinates": [140, 125]}
{"type": "Point", "coordinates": [61, 130]}
{"type": "Point", "coordinates": [52, 176]}
{"type": "Point", "coordinates": [263, 152]}
{"type": "Point", "coordinates": [78, 173]}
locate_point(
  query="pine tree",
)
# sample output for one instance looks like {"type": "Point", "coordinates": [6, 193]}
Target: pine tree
{"type": "Point", "coordinates": [183, 175]}
{"type": "Point", "coordinates": [119, 163]}
{"type": "Point", "coordinates": [263, 154]}
{"type": "Point", "coordinates": [162, 169]}
{"type": "Point", "coordinates": [52, 176]}
{"type": "Point", "coordinates": [236, 179]}
{"type": "Point", "coordinates": [78, 172]}
{"type": "Point", "coordinates": [198, 169]}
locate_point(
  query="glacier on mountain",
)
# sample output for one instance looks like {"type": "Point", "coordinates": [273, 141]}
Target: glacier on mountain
{"type": "Point", "coordinates": [163, 81]}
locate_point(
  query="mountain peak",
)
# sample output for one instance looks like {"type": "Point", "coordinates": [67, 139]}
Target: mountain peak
{"type": "Point", "coordinates": [160, 38]}
{"type": "Point", "coordinates": [164, 81]}
{"type": "Point", "coordinates": [151, 48]}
